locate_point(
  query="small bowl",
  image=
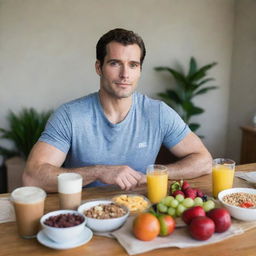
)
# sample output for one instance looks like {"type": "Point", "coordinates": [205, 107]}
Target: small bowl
{"type": "Point", "coordinates": [102, 225]}
{"type": "Point", "coordinates": [136, 203]}
{"type": "Point", "coordinates": [245, 214]}
{"type": "Point", "coordinates": [62, 235]}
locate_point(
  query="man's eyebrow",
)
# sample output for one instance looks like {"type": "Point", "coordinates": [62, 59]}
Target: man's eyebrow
{"type": "Point", "coordinates": [117, 60]}
{"type": "Point", "coordinates": [135, 62]}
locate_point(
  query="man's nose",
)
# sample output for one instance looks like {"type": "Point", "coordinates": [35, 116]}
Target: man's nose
{"type": "Point", "coordinates": [124, 72]}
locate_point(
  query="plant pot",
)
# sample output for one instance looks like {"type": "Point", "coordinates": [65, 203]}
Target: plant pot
{"type": "Point", "coordinates": [15, 166]}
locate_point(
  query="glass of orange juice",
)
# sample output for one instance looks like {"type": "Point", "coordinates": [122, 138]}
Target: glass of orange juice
{"type": "Point", "coordinates": [222, 175]}
{"type": "Point", "coordinates": [157, 182]}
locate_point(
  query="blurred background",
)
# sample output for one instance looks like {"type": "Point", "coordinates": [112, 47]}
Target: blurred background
{"type": "Point", "coordinates": [47, 55]}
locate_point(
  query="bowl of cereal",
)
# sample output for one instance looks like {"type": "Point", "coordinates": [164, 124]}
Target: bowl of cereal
{"type": "Point", "coordinates": [134, 202]}
{"type": "Point", "coordinates": [63, 225]}
{"type": "Point", "coordinates": [104, 215]}
{"type": "Point", "coordinates": [240, 202]}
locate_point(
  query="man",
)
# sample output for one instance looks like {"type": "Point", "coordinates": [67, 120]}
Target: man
{"type": "Point", "coordinates": [111, 136]}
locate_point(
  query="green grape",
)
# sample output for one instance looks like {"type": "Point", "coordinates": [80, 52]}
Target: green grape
{"type": "Point", "coordinates": [172, 212]}
{"type": "Point", "coordinates": [208, 205]}
{"type": "Point", "coordinates": [188, 202]}
{"type": "Point", "coordinates": [174, 203]}
{"type": "Point", "coordinates": [179, 197]}
{"type": "Point", "coordinates": [180, 209]}
{"type": "Point", "coordinates": [167, 200]}
{"type": "Point", "coordinates": [162, 208]}
{"type": "Point", "coordinates": [198, 201]}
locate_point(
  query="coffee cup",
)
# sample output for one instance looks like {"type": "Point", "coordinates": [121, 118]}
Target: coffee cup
{"type": "Point", "coordinates": [70, 190]}
{"type": "Point", "coordinates": [29, 208]}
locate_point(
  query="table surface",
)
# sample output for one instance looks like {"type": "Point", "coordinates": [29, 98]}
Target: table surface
{"type": "Point", "coordinates": [12, 244]}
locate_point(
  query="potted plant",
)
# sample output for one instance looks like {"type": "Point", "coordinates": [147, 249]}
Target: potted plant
{"type": "Point", "coordinates": [188, 86]}
{"type": "Point", "coordinates": [24, 130]}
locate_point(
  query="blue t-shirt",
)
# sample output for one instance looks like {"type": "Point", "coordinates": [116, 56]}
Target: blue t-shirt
{"type": "Point", "coordinates": [81, 129]}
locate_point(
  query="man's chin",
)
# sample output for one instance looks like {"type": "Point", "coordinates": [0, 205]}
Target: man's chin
{"type": "Point", "coordinates": [123, 95]}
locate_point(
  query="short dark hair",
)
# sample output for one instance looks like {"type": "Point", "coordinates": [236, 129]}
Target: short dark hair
{"type": "Point", "coordinates": [122, 36]}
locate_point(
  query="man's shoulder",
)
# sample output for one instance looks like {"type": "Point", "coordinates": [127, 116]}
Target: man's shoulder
{"type": "Point", "coordinates": [80, 103]}
{"type": "Point", "coordinates": [146, 100]}
{"type": "Point", "coordinates": [149, 105]}
{"type": "Point", "coordinates": [87, 99]}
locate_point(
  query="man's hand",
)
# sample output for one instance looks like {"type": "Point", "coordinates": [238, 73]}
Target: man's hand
{"type": "Point", "coordinates": [122, 175]}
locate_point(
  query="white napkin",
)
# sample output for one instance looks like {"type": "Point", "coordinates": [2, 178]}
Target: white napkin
{"type": "Point", "coordinates": [6, 210]}
{"type": "Point", "coordinates": [180, 238]}
{"type": "Point", "coordinates": [248, 176]}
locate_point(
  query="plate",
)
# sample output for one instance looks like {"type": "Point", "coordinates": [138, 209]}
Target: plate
{"type": "Point", "coordinates": [136, 203]}
{"type": "Point", "coordinates": [84, 238]}
{"type": "Point", "coordinates": [179, 222]}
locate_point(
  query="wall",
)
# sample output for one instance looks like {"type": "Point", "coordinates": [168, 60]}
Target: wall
{"type": "Point", "coordinates": [47, 51]}
{"type": "Point", "coordinates": [243, 83]}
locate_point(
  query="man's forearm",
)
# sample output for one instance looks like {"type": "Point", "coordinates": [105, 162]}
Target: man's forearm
{"type": "Point", "coordinates": [192, 166]}
{"type": "Point", "coordinates": [46, 174]}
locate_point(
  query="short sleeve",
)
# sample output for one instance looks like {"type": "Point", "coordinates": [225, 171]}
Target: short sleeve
{"type": "Point", "coordinates": [173, 127]}
{"type": "Point", "coordinates": [58, 130]}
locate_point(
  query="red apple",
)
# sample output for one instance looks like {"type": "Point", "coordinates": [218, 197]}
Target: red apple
{"type": "Point", "coordinates": [201, 228]}
{"type": "Point", "coordinates": [221, 218]}
{"type": "Point", "coordinates": [191, 213]}
{"type": "Point", "coordinates": [167, 224]}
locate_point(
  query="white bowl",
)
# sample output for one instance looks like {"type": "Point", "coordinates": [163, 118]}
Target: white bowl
{"type": "Point", "coordinates": [246, 214]}
{"type": "Point", "coordinates": [102, 225]}
{"type": "Point", "coordinates": [62, 235]}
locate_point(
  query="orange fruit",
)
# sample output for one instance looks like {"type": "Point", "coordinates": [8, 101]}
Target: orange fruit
{"type": "Point", "coordinates": [146, 227]}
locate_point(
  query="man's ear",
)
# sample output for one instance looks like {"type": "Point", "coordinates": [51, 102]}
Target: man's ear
{"type": "Point", "coordinates": [98, 67]}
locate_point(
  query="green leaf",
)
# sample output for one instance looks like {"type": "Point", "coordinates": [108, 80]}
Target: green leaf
{"type": "Point", "coordinates": [205, 90]}
{"type": "Point", "coordinates": [205, 81]}
{"type": "Point", "coordinates": [179, 77]}
{"type": "Point", "coordinates": [192, 67]}
{"type": "Point", "coordinates": [174, 96]}
{"type": "Point", "coordinates": [202, 72]}
{"type": "Point", "coordinates": [193, 126]}
{"type": "Point", "coordinates": [191, 110]}
{"type": "Point", "coordinates": [24, 130]}
{"type": "Point", "coordinates": [165, 97]}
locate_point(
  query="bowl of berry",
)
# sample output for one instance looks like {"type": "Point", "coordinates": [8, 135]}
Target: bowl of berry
{"type": "Point", "coordinates": [63, 225]}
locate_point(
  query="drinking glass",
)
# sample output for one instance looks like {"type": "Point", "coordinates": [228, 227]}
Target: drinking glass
{"type": "Point", "coordinates": [222, 175]}
{"type": "Point", "coordinates": [157, 182]}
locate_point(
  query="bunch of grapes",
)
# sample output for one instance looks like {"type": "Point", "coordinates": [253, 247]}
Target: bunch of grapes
{"type": "Point", "coordinates": [175, 206]}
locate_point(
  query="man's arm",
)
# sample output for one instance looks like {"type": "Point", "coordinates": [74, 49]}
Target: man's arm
{"type": "Point", "coordinates": [44, 165]}
{"type": "Point", "coordinates": [195, 159]}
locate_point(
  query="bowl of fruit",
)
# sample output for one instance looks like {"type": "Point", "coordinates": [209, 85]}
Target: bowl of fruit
{"type": "Point", "coordinates": [192, 208]}
{"type": "Point", "coordinates": [182, 197]}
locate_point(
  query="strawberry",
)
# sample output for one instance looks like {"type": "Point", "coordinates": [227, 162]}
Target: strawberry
{"type": "Point", "coordinates": [199, 193]}
{"type": "Point", "coordinates": [177, 192]}
{"type": "Point", "coordinates": [185, 185]}
{"type": "Point", "coordinates": [190, 192]}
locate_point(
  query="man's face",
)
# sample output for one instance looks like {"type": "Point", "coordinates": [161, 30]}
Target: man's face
{"type": "Point", "coordinates": [120, 71]}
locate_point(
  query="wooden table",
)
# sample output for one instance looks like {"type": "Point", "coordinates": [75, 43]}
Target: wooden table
{"type": "Point", "coordinates": [12, 244]}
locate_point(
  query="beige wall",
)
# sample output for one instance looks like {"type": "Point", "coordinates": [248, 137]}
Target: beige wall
{"type": "Point", "coordinates": [243, 83]}
{"type": "Point", "coordinates": [47, 50]}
